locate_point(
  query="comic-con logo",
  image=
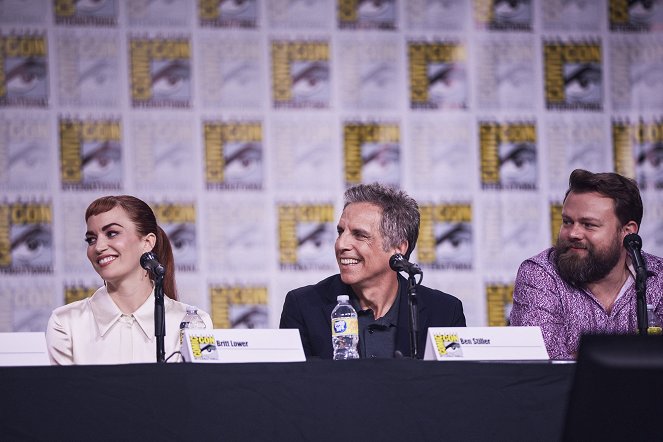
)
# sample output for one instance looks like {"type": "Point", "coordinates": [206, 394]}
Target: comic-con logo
{"type": "Point", "coordinates": [555, 221]}
{"type": "Point", "coordinates": [25, 146]}
{"type": "Point", "coordinates": [636, 73]}
{"type": "Point", "coordinates": [367, 14]}
{"type": "Point", "coordinates": [438, 75]}
{"type": "Point", "coordinates": [300, 74]}
{"type": "Point", "coordinates": [160, 72]}
{"type": "Point", "coordinates": [508, 155]}
{"type": "Point", "coordinates": [635, 15]}
{"type": "Point", "coordinates": [445, 236]}
{"type": "Point", "coordinates": [90, 154]}
{"type": "Point", "coordinates": [86, 13]}
{"type": "Point", "coordinates": [573, 76]}
{"type": "Point", "coordinates": [501, 15]}
{"type": "Point", "coordinates": [372, 153]}
{"type": "Point", "coordinates": [306, 236]}
{"type": "Point", "coordinates": [448, 345]}
{"type": "Point", "coordinates": [228, 14]}
{"type": "Point", "coordinates": [88, 69]}
{"type": "Point", "coordinates": [638, 151]}
{"type": "Point", "coordinates": [26, 238]}
{"type": "Point", "coordinates": [77, 291]}
{"type": "Point", "coordinates": [178, 220]}
{"type": "Point", "coordinates": [499, 301]}
{"type": "Point", "coordinates": [233, 155]}
{"type": "Point", "coordinates": [23, 70]}
{"type": "Point", "coordinates": [239, 306]}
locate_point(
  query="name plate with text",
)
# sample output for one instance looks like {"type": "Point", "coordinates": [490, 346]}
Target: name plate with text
{"type": "Point", "coordinates": [242, 345]}
{"type": "Point", "coordinates": [485, 344]}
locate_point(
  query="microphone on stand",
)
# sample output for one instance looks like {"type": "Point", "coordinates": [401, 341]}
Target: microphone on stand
{"type": "Point", "coordinates": [633, 245]}
{"type": "Point", "coordinates": [149, 262]}
{"type": "Point", "coordinates": [398, 263]}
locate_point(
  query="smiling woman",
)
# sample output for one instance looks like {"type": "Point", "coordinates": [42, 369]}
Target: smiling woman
{"type": "Point", "coordinates": [116, 324]}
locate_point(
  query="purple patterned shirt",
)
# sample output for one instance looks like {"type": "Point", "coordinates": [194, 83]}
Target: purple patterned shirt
{"type": "Point", "coordinates": [541, 297]}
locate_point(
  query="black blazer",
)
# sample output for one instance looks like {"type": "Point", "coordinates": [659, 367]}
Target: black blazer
{"type": "Point", "coordinates": [309, 310]}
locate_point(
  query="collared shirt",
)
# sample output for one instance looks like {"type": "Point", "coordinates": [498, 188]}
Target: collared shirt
{"type": "Point", "coordinates": [564, 312]}
{"type": "Point", "coordinates": [377, 337]}
{"type": "Point", "coordinates": [95, 331]}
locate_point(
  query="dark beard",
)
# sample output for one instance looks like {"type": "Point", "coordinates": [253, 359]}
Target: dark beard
{"type": "Point", "coordinates": [594, 267]}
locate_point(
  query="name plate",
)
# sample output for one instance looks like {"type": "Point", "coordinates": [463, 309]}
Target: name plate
{"type": "Point", "coordinates": [23, 348]}
{"type": "Point", "coordinates": [242, 345]}
{"type": "Point", "coordinates": [485, 344]}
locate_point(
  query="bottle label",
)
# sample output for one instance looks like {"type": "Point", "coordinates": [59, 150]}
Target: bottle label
{"type": "Point", "coordinates": [654, 330]}
{"type": "Point", "coordinates": [344, 326]}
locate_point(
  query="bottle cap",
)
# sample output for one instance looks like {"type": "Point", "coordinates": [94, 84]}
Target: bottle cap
{"type": "Point", "coordinates": [191, 309]}
{"type": "Point", "coordinates": [340, 298]}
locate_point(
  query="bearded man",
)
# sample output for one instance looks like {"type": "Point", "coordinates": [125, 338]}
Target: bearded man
{"type": "Point", "coordinates": [586, 283]}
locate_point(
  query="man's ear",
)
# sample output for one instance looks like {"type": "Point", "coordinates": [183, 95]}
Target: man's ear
{"type": "Point", "coordinates": [401, 248]}
{"type": "Point", "coordinates": [630, 227]}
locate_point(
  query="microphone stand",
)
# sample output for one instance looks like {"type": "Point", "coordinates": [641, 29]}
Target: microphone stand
{"type": "Point", "coordinates": [414, 316]}
{"type": "Point", "coordinates": [159, 317]}
{"type": "Point", "coordinates": [640, 291]}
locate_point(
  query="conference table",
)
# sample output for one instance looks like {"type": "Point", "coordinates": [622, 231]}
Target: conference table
{"type": "Point", "coordinates": [316, 400]}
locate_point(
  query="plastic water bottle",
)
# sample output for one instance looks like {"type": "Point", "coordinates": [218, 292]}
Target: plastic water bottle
{"type": "Point", "coordinates": [345, 329]}
{"type": "Point", "coordinates": [653, 322]}
{"type": "Point", "coordinates": [191, 320]}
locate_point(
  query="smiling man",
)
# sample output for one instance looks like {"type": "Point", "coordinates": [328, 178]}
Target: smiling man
{"type": "Point", "coordinates": [585, 284]}
{"type": "Point", "coordinates": [377, 222]}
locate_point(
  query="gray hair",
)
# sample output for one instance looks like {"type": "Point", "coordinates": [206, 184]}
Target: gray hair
{"type": "Point", "coordinates": [400, 213]}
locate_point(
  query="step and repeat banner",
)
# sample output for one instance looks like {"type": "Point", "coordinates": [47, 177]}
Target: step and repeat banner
{"type": "Point", "coordinates": [242, 122]}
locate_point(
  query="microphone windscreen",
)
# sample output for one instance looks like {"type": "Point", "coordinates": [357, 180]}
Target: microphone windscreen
{"type": "Point", "coordinates": [633, 241]}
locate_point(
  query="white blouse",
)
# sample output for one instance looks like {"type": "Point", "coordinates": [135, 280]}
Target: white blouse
{"type": "Point", "coordinates": [95, 331]}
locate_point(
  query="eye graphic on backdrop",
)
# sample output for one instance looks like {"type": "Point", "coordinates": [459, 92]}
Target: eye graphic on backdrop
{"type": "Point", "coordinates": [518, 163]}
{"type": "Point", "coordinates": [88, 6]}
{"type": "Point", "coordinates": [314, 242]}
{"type": "Point", "coordinates": [248, 317]}
{"type": "Point", "coordinates": [585, 156]}
{"type": "Point", "coordinates": [239, 73]}
{"type": "Point", "coordinates": [511, 10]}
{"type": "Point", "coordinates": [309, 78]}
{"type": "Point", "coordinates": [381, 162]}
{"type": "Point", "coordinates": [101, 160]}
{"type": "Point", "coordinates": [97, 74]}
{"type": "Point", "coordinates": [234, 7]}
{"type": "Point", "coordinates": [31, 245]}
{"type": "Point", "coordinates": [446, 84]}
{"type": "Point", "coordinates": [379, 74]}
{"type": "Point", "coordinates": [183, 239]}
{"type": "Point", "coordinates": [28, 162]}
{"type": "Point", "coordinates": [514, 74]}
{"type": "Point", "coordinates": [243, 163]}
{"type": "Point", "coordinates": [582, 82]}
{"type": "Point", "coordinates": [641, 11]}
{"type": "Point", "coordinates": [453, 243]}
{"type": "Point", "coordinates": [169, 79]}
{"type": "Point", "coordinates": [25, 76]}
{"type": "Point", "coordinates": [24, 155]}
{"type": "Point", "coordinates": [649, 165]}
{"type": "Point", "coordinates": [374, 8]}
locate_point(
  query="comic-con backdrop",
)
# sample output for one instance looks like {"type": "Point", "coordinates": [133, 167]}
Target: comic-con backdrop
{"type": "Point", "coordinates": [242, 122]}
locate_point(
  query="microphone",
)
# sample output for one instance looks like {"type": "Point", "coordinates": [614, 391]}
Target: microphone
{"type": "Point", "coordinates": [398, 263]}
{"type": "Point", "coordinates": [633, 245]}
{"type": "Point", "coordinates": [149, 262]}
